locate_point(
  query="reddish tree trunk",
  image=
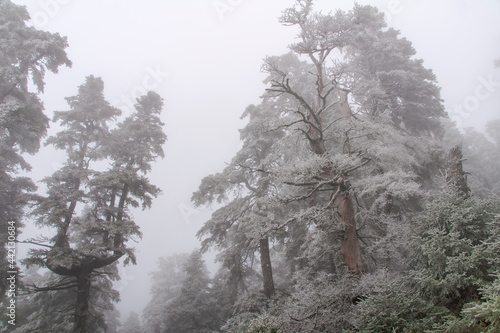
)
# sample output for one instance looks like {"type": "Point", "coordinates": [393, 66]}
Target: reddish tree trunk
{"type": "Point", "coordinates": [349, 244]}
{"type": "Point", "coordinates": [351, 251]}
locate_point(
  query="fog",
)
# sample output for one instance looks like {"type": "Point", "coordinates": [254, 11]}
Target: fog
{"type": "Point", "coordinates": [204, 58]}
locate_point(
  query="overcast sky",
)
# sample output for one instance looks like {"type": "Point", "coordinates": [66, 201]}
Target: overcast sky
{"type": "Point", "coordinates": [204, 56]}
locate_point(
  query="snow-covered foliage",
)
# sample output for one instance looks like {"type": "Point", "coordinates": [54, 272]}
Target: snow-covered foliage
{"type": "Point", "coordinates": [26, 55]}
{"type": "Point", "coordinates": [52, 310]}
{"type": "Point", "coordinates": [89, 208]}
{"type": "Point", "coordinates": [340, 172]}
{"type": "Point", "coordinates": [341, 212]}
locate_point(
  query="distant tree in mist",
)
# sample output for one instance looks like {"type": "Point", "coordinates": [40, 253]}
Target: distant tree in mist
{"type": "Point", "coordinates": [481, 156]}
{"type": "Point", "coordinates": [192, 310]}
{"type": "Point", "coordinates": [132, 324]}
{"type": "Point", "coordinates": [184, 297]}
{"type": "Point", "coordinates": [166, 285]}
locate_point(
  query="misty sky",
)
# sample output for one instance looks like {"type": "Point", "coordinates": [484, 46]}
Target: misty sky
{"type": "Point", "coordinates": [203, 57]}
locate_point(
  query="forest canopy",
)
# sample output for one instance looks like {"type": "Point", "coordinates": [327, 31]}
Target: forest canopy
{"type": "Point", "coordinates": [352, 204]}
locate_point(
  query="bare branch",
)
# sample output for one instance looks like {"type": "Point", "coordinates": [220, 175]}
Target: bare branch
{"type": "Point", "coordinates": [316, 188]}
{"type": "Point", "coordinates": [315, 313]}
{"type": "Point", "coordinates": [367, 160]}
{"type": "Point", "coordinates": [33, 288]}
{"type": "Point", "coordinates": [31, 241]}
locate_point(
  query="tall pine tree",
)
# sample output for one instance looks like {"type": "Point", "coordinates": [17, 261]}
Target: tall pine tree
{"type": "Point", "coordinates": [26, 54]}
{"type": "Point", "coordinates": [89, 209]}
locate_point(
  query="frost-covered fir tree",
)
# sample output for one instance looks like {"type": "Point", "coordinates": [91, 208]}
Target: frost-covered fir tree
{"type": "Point", "coordinates": [483, 159]}
{"type": "Point", "coordinates": [456, 243]}
{"type": "Point", "coordinates": [27, 54]}
{"type": "Point", "coordinates": [166, 285]}
{"type": "Point", "coordinates": [348, 127]}
{"type": "Point", "coordinates": [193, 310]}
{"type": "Point", "coordinates": [132, 324]}
{"type": "Point", "coordinates": [89, 209]}
{"type": "Point", "coordinates": [243, 226]}
{"type": "Point", "coordinates": [452, 282]}
{"type": "Point", "coordinates": [356, 101]}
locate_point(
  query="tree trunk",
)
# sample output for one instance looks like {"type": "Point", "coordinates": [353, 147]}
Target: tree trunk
{"type": "Point", "coordinates": [349, 244]}
{"type": "Point", "coordinates": [118, 241]}
{"type": "Point", "coordinates": [455, 175]}
{"type": "Point", "coordinates": [62, 234]}
{"type": "Point", "coordinates": [82, 301]}
{"type": "Point", "coordinates": [267, 269]}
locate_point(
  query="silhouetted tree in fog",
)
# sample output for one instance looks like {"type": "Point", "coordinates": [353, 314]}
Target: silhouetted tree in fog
{"type": "Point", "coordinates": [26, 54]}
{"type": "Point", "coordinates": [95, 234]}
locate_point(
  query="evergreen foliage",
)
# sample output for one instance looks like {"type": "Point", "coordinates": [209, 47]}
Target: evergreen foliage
{"type": "Point", "coordinates": [340, 170]}
{"type": "Point", "coordinates": [89, 208]}
{"type": "Point", "coordinates": [352, 205]}
{"type": "Point", "coordinates": [26, 55]}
